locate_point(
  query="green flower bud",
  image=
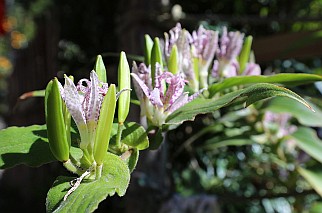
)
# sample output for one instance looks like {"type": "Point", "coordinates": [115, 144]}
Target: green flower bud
{"type": "Point", "coordinates": [124, 81]}
{"type": "Point", "coordinates": [104, 126]}
{"type": "Point", "coordinates": [56, 128]}
{"type": "Point", "coordinates": [100, 69]}
{"type": "Point", "coordinates": [173, 60]}
{"type": "Point", "coordinates": [148, 43]}
{"type": "Point", "coordinates": [245, 53]}
{"type": "Point", "coordinates": [156, 57]}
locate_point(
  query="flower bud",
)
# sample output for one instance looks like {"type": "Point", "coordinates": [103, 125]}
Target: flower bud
{"type": "Point", "coordinates": [148, 43]}
{"type": "Point", "coordinates": [104, 126]}
{"type": "Point", "coordinates": [245, 53]}
{"type": "Point", "coordinates": [56, 128]}
{"type": "Point", "coordinates": [100, 69]}
{"type": "Point", "coordinates": [124, 81]}
{"type": "Point", "coordinates": [156, 57]}
{"type": "Point", "coordinates": [173, 60]}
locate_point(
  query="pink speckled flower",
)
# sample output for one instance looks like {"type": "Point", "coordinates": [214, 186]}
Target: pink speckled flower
{"type": "Point", "coordinates": [84, 103]}
{"type": "Point", "coordinates": [226, 64]}
{"type": "Point", "coordinates": [158, 102]}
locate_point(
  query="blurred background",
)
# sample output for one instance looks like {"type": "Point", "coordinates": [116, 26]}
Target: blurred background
{"type": "Point", "coordinates": [40, 39]}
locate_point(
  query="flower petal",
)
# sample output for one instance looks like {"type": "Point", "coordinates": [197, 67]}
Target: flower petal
{"type": "Point", "coordinates": [179, 102]}
{"type": "Point", "coordinates": [155, 98]}
{"type": "Point", "coordinates": [73, 103]}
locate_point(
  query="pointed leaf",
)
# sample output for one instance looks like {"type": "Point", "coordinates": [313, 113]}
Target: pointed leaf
{"type": "Point", "coordinates": [35, 93]}
{"type": "Point", "coordinates": [249, 95]}
{"type": "Point", "coordinates": [297, 110]}
{"type": "Point", "coordinates": [283, 78]}
{"type": "Point", "coordinates": [309, 142]}
{"type": "Point", "coordinates": [86, 198]}
{"type": "Point", "coordinates": [313, 176]}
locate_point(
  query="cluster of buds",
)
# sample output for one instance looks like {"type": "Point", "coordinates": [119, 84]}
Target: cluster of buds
{"type": "Point", "coordinates": [204, 54]}
{"type": "Point", "coordinates": [91, 103]}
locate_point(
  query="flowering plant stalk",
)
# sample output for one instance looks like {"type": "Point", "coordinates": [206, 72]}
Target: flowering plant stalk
{"type": "Point", "coordinates": [183, 76]}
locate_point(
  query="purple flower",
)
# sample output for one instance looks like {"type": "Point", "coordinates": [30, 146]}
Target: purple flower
{"type": "Point", "coordinates": [226, 64]}
{"type": "Point", "coordinates": [182, 39]}
{"type": "Point", "coordinates": [205, 44]}
{"type": "Point", "coordinates": [167, 95]}
{"type": "Point", "coordinates": [84, 103]}
{"type": "Point", "coordinates": [252, 69]}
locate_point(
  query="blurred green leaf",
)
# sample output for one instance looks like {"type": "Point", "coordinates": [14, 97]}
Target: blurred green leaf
{"type": "Point", "coordinates": [86, 198]}
{"type": "Point", "coordinates": [313, 176]}
{"type": "Point", "coordinates": [36, 93]}
{"type": "Point", "coordinates": [215, 144]}
{"type": "Point", "coordinates": [283, 78]}
{"type": "Point", "coordinates": [309, 142]}
{"type": "Point", "coordinates": [297, 110]}
{"type": "Point", "coordinates": [248, 95]}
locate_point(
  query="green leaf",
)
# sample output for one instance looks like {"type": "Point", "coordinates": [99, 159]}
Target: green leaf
{"type": "Point", "coordinates": [35, 93]}
{"type": "Point", "coordinates": [313, 176]}
{"type": "Point", "coordinates": [229, 142]}
{"type": "Point", "coordinates": [133, 159]}
{"type": "Point", "coordinates": [297, 110]}
{"type": "Point", "coordinates": [86, 198]}
{"type": "Point", "coordinates": [249, 95]}
{"type": "Point", "coordinates": [133, 135]}
{"type": "Point", "coordinates": [283, 78]}
{"type": "Point", "coordinates": [308, 141]}
{"type": "Point", "coordinates": [31, 147]}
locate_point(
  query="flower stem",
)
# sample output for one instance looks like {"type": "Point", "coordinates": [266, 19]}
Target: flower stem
{"type": "Point", "coordinates": [119, 135]}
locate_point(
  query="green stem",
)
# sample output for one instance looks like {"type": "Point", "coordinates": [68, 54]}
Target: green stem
{"type": "Point", "coordinates": [70, 166]}
{"type": "Point", "coordinates": [119, 135]}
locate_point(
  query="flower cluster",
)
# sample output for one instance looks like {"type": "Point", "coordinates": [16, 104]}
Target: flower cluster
{"type": "Point", "coordinates": [167, 94]}
{"type": "Point", "coordinates": [202, 53]}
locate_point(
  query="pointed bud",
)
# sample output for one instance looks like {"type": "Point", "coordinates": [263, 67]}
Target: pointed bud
{"type": "Point", "coordinates": [100, 69]}
{"type": "Point", "coordinates": [56, 129]}
{"type": "Point", "coordinates": [148, 43]}
{"type": "Point", "coordinates": [104, 126]}
{"type": "Point", "coordinates": [156, 57]}
{"type": "Point", "coordinates": [245, 53]}
{"type": "Point", "coordinates": [173, 60]}
{"type": "Point", "coordinates": [124, 81]}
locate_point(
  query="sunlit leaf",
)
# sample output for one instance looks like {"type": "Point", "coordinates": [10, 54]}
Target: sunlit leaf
{"type": "Point", "coordinates": [248, 95]}
{"type": "Point", "coordinates": [283, 78]}
{"type": "Point", "coordinates": [86, 198]}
